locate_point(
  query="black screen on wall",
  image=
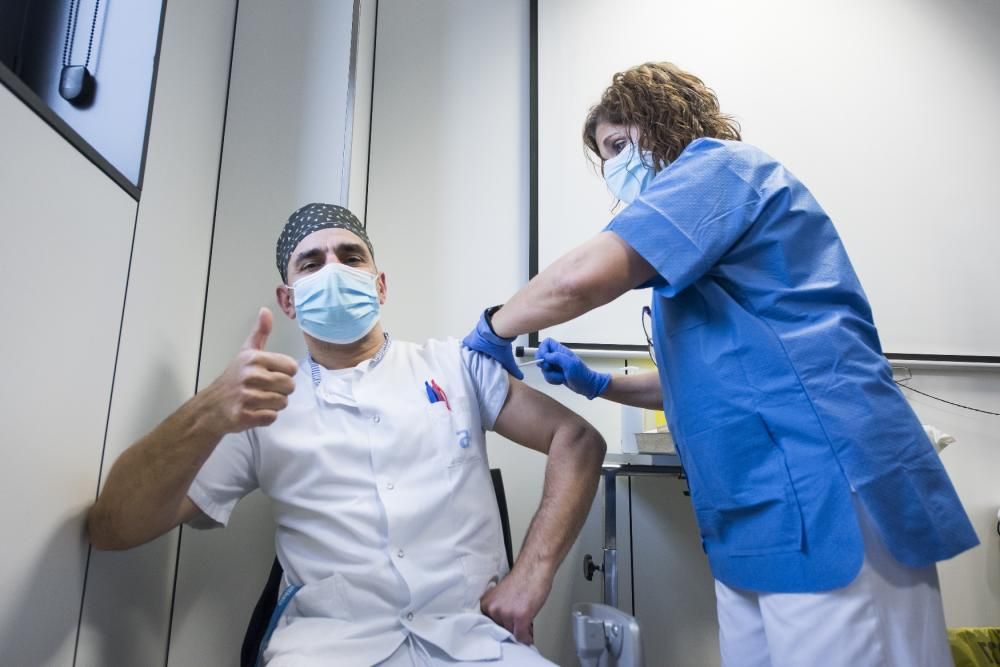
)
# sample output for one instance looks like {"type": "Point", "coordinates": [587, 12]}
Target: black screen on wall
{"type": "Point", "coordinates": [91, 64]}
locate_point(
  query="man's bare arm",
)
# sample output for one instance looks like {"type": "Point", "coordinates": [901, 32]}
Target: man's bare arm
{"type": "Point", "coordinates": [576, 451]}
{"type": "Point", "coordinates": [146, 491]}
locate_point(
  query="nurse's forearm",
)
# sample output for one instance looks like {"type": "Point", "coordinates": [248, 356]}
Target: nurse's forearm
{"type": "Point", "coordinates": [642, 390]}
{"type": "Point", "coordinates": [589, 276]}
{"type": "Point", "coordinates": [146, 491]}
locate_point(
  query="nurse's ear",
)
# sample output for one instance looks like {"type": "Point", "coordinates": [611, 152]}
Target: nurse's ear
{"type": "Point", "coordinates": [380, 286]}
{"type": "Point", "coordinates": [283, 294]}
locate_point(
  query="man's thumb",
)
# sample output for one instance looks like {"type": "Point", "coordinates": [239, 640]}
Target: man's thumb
{"type": "Point", "coordinates": [261, 330]}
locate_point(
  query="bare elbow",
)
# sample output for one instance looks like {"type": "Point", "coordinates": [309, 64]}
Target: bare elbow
{"type": "Point", "coordinates": [101, 533]}
{"type": "Point", "coordinates": [588, 444]}
{"type": "Point", "coordinates": [595, 444]}
{"type": "Point", "coordinates": [588, 280]}
{"type": "Point", "coordinates": [573, 287]}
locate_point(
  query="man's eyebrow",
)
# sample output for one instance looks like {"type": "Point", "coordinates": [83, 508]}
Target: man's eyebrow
{"type": "Point", "coordinates": [349, 247]}
{"type": "Point", "coordinates": [311, 253]}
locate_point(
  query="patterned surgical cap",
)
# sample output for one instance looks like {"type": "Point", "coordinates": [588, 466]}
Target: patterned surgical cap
{"type": "Point", "coordinates": [312, 218]}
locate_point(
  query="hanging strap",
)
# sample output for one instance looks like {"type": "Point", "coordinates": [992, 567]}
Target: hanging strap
{"type": "Point", "coordinates": [279, 609]}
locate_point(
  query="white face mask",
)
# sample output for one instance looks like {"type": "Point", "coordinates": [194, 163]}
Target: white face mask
{"type": "Point", "coordinates": [628, 173]}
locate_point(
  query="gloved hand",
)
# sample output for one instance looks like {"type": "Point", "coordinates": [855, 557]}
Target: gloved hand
{"type": "Point", "coordinates": [484, 339]}
{"type": "Point", "coordinates": [560, 365]}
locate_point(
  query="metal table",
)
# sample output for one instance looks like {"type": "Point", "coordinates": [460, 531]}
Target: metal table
{"type": "Point", "coordinates": [627, 465]}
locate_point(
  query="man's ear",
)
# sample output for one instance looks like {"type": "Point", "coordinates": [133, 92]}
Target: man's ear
{"type": "Point", "coordinates": [380, 285]}
{"type": "Point", "coordinates": [283, 294]}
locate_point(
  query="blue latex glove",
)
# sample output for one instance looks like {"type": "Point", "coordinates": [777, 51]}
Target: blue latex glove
{"type": "Point", "coordinates": [483, 339]}
{"type": "Point", "coordinates": [560, 365]}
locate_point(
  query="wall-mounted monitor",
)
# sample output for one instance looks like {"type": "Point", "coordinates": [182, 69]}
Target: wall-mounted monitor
{"type": "Point", "coordinates": [87, 67]}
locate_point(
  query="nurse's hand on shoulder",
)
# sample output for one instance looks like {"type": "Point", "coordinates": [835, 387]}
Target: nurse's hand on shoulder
{"type": "Point", "coordinates": [515, 601]}
{"type": "Point", "coordinates": [560, 365]}
{"type": "Point", "coordinates": [483, 339]}
{"type": "Point", "coordinates": [255, 386]}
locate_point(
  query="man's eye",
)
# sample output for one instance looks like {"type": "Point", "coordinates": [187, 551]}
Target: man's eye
{"type": "Point", "coordinates": [354, 260]}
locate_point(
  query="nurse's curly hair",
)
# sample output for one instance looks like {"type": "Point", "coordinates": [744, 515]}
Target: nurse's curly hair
{"type": "Point", "coordinates": [670, 107]}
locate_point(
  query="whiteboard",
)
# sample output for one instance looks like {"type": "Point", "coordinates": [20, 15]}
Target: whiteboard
{"type": "Point", "coordinates": [887, 110]}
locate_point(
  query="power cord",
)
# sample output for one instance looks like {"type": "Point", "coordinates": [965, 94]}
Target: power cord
{"type": "Point", "coordinates": [909, 376]}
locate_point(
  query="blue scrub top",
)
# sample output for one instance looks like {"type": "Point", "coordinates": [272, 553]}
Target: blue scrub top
{"type": "Point", "coordinates": [774, 382]}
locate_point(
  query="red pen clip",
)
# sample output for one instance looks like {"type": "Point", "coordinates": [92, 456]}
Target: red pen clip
{"type": "Point", "coordinates": [440, 392]}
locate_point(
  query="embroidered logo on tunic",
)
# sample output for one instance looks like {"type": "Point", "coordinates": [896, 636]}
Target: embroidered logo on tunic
{"type": "Point", "coordinates": [463, 438]}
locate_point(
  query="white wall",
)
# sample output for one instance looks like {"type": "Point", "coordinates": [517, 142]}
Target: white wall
{"type": "Point", "coordinates": [67, 230]}
{"type": "Point", "coordinates": [884, 108]}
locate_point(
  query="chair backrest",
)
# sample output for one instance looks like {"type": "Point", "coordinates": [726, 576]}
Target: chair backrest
{"type": "Point", "coordinates": [504, 517]}
{"type": "Point", "coordinates": [269, 596]}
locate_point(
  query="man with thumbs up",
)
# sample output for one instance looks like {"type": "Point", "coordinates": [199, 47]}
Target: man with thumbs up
{"type": "Point", "coordinates": [373, 453]}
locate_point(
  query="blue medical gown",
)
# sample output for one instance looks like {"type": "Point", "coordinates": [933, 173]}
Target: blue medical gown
{"type": "Point", "coordinates": [774, 383]}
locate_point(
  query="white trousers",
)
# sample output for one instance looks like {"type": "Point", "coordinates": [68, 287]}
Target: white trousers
{"type": "Point", "coordinates": [889, 616]}
{"type": "Point", "coordinates": [416, 653]}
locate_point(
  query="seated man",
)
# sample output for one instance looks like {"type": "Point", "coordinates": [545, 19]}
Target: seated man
{"type": "Point", "coordinates": [373, 454]}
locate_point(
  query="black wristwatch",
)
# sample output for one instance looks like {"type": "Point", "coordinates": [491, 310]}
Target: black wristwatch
{"type": "Point", "coordinates": [488, 314]}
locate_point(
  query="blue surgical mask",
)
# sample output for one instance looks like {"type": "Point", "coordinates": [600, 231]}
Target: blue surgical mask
{"type": "Point", "coordinates": [337, 304]}
{"type": "Point", "coordinates": [628, 173]}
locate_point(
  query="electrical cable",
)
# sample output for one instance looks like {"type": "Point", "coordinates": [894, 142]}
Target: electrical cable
{"type": "Point", "coordinates": [902, 383]}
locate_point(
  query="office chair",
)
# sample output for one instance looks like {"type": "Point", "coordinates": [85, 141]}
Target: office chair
{"type": "Point", "coordinates": [269, 596]}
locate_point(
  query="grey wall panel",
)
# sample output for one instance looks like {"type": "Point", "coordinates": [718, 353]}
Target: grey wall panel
{"type": "Point", "coordinates": [67, 231]}
{"type": "Point", "coordinates": [284, 147]}
{"type": "Point", "coordinates": [127, 603]}
{"type": "Point", "coordinates": [674, 588]}
{"type": "Point", "coordinates": [361, 124]}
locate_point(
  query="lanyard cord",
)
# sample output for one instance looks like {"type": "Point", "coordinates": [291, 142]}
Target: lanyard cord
{"type": "Point", "coordinates": [70, 38]}
{"type": "Point", "coordinates": [272, 623]}
{"type": "Point", "coordinates": [314, 367]}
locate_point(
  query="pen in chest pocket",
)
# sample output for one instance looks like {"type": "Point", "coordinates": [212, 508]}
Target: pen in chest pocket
{"type": "Point", "coordinates": [435, 393]}
{"type": "Point", "coordinates": [441, 395]}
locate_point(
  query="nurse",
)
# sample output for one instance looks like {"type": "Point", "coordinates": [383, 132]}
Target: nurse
{"type": "Point", "coordinates": [821, 504]}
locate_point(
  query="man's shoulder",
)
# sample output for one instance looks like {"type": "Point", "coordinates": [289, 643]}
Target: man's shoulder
{"type": "Point", "coordinates": [447, 352]}
{"type": "Point", "coordinates": [431, 347]}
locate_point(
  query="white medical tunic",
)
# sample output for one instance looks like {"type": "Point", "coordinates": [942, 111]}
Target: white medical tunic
{"type": "Point", "coordinates": [383, 501]}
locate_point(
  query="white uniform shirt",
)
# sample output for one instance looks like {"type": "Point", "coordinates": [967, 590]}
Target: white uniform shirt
{"type": "Point", "coordinates": [383, 502]}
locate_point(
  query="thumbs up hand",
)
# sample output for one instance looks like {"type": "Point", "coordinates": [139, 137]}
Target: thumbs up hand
{"type": "Point", "coordinates": [256, 384]}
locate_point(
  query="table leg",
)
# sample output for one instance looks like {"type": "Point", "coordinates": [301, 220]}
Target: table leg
{"type": "Point", "coordinates": [610, 565]}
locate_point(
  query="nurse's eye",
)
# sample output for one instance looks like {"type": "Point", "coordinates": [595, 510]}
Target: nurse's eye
{"type": "Point", "coordinates": [619, 146]}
